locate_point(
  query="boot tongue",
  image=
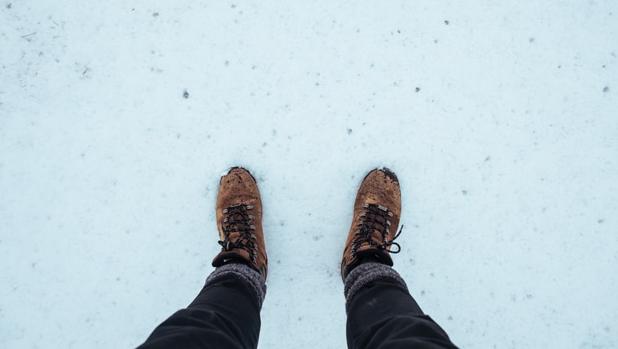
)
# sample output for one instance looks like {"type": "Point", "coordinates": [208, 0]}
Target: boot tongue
{"type": "Point", "coordinates": [225, 256]}
{"type": "Point", "coordinates": [369, 251]}
{"type": "Point", "coordinates": [376, 238]}
{"type": "Point", "coordinates": [233, 236]}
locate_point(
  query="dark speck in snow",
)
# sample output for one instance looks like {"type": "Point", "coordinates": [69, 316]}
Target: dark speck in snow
{"type": "Point", "coordinates": [349, 131]}
{"type": "Point", "coordinates": [185, 94]}
{"type": "Point", "coordinates": [531, 40]}
{"type": "Point", "coordinates": [606, 89]}
{"type": "Point", "coordinates": [9, 5]}
{"type": "Point", "coordinates": [155, 14]}
{"type": "Point", "coordinates": [446, 21]}
{"type": "Point", "coordinates": [417, 89]}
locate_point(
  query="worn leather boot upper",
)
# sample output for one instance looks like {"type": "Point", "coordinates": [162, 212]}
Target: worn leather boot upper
{"type": "Point", "coordinates": [375, 220]}
{"type": "Point", "coordinates": [239, 220]}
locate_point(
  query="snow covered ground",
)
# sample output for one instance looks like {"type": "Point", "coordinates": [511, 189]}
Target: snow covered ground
{"type": "Point", "coordinates": [500, 118]}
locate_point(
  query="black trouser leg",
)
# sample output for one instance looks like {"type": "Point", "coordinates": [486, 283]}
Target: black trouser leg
{"type": "Point", "coordinates": [382, 314]}
{"type": "Point", "coordinates": [225, 314]}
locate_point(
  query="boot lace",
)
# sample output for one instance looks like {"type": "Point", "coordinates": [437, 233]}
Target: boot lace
{"type": "Point", "coordinates": [375, 218]}
{"type": "Point", "coordinates": [237, 219]}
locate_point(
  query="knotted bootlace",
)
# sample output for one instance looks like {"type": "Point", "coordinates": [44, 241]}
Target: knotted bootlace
{"type": "Point", "coordinates": [375, 218]}
{"type": "Point", "coordinates": [237, 219]}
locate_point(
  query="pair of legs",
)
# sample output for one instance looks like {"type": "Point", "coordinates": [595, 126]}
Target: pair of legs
{"type": "Point", "coordinates": [226, 313]}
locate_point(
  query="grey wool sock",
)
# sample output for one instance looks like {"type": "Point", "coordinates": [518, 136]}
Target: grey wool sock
{"type": "Point", "coordinates": [366, 273]}
{"type": "Point", "coordinates": [243, 272]}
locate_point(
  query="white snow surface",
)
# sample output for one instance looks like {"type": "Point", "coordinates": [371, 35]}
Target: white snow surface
{"type": "Point", "coordinates": [499, 117]}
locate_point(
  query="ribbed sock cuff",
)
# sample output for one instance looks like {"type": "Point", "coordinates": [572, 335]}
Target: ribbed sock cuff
{"type": "Point", "coordinates": [367, 273]}
{"type": "Point", "coordinates": [256, 283]}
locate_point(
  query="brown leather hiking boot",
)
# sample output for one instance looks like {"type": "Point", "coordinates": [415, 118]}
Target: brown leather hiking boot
{"type": "Point", "coordinates": [239, 220]}
{"type": "Point", "coordinates": [374, 224]}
